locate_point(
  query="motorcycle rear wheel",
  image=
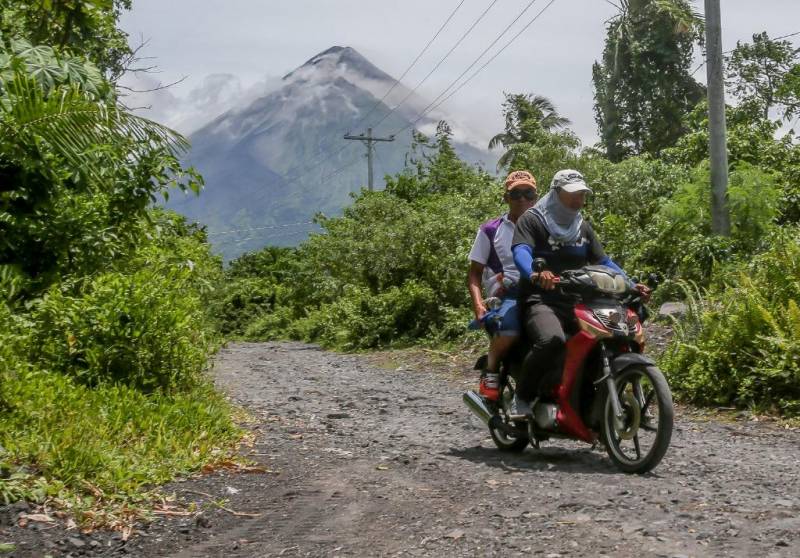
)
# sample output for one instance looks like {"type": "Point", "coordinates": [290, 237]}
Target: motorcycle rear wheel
{"type": "Point", "coordinates": [646, 402]}
{"type": "Point", "coordinates": [503, 440]}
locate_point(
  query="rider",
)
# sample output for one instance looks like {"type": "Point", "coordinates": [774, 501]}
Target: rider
{"type": "Point", "coordinates": [492, 263]}
{"type": "Point", "coordinates": [555, 230]}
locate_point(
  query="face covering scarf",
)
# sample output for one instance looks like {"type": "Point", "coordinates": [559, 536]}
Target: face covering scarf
{"type": "Point", "coordinates": [563, 223]}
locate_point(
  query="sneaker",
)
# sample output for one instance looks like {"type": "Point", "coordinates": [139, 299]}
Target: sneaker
{"type": "Point", "coordinates": [490, 386]}
{"type": "Point", "coordinates": [519, 407]}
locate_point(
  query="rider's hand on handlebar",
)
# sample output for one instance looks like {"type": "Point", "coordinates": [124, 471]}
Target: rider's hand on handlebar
{"type": "Point", "coordinates": [545, 279]}
{"type": "Point", "coordinates": [644, 291]}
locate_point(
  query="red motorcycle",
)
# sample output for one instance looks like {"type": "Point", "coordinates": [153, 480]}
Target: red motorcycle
{"type": "Point", "coordinates": [608, 392]}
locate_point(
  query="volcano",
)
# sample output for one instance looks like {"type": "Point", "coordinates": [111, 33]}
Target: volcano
{"type": "Point", "coordinates": [270, 166]}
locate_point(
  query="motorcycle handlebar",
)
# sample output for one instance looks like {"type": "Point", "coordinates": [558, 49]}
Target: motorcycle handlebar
{"type": "Point", "coordinates": [565, 283]}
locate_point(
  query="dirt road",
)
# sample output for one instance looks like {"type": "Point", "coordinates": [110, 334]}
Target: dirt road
{"type": "Point", "coordinates": [365, 461]}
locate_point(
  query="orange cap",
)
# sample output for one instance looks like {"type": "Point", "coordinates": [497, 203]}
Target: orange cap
{"type": "Point", "coordinates": [520, 178]}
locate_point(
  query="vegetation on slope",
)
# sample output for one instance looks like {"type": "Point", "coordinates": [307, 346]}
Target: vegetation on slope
{"type": "Point", "coordinates": [104, 328]}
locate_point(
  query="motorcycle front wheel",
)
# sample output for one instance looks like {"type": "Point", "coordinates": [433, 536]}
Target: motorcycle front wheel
{"type": "Point", "coordinates": [637, 441]}
{"type": "Point", "coordinates": [504, 440]}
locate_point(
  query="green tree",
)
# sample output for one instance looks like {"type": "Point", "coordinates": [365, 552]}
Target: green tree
{"type": "Point", "coordinates": [757, 73]}
{"type": "Point", "coordinates": [77, 170]}
{"type": "Point", "coordinates": [789, 92]}
{"type": "Point", "coordinates": [432, 167]}
{"type": "Point", "coordinates": [527, 118]}
{"type": "Point", "coordinates": [642, 87]}
{"type": "Point", "coordinates": [84, 27]}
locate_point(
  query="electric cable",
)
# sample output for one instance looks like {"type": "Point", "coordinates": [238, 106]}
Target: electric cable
{"type": "Point", "coordinates": [438, 64]}
{"type": "Point", "coordinates": [430, 108]}
{"type": "Point", "coordinates": [413, 63]}
{"type": "Point", "coordinates": [315, 162]}
{"type": "Point", "coordinates": [231, 231]}
{"type": "Point", "coordinates": [703, 63]}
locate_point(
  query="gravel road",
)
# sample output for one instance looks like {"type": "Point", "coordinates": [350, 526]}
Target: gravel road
{"type": "Point", "coordinates": [360, 460]}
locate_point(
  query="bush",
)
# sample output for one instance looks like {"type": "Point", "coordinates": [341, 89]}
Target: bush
{"type": "Point", "coordinates": [144, 330]}
{"type": "Point", "coordinates": [679, 242]}
{"type": "Point", "coordinates": [361, 320]}
{"type": "Point", "coordinates": [114, 438]}
{"type": "Point", "coordinates": [351, 287]}
{"type": "Point", "coordinates": [241, 302]}
{"type": "Point", "coordinates": [740, 343]}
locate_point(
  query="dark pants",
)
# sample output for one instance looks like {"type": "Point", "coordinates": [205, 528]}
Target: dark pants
{"type": "Point", "coordinates": [545, 327]}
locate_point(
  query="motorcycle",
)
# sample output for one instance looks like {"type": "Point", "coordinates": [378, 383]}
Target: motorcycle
{"type": "Point", "coordinates": [608, 392]}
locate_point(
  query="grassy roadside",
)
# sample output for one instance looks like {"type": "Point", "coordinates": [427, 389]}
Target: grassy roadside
{"type": "Point", "coordinates": [95, 455]}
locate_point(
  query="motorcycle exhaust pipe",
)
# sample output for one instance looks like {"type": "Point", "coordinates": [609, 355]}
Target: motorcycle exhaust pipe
{"type": "Point", "coordinates": [474, 403]}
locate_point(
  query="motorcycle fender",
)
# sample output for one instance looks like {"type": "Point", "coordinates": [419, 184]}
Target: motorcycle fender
{"type": "Point", "coordinates": [625, 360]}
{"type": "Point", "coordinates": [619, 364]}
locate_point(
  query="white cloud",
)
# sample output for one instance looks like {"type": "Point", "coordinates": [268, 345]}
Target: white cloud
{"type": "Point", "coordinates": [216, 94]}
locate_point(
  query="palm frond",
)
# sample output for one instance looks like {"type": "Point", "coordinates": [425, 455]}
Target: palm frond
{"type": "Point", "coordinates": [497, 140]}
{"type": "Point", "coordinates": [681, 13]}
{"type": "Point", "coordinates": [543, 104]}
{"type": "Point", "coordinates": [74, 124]}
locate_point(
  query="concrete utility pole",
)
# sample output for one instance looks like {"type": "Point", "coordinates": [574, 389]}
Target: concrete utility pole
{"type": "Point", "coordinates": [718, 148]}
{"type": "Point", "coordinates": [369, 141]}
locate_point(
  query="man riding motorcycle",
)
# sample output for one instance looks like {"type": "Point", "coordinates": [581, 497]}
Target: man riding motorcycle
{"type": "Point", "coordinates": [554, 230]}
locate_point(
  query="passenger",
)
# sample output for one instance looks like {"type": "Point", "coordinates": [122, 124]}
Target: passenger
{"type": "Point", "coordinates": [492, 264]}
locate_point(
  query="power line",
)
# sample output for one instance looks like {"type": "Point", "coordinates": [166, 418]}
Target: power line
{"type": "Point", "coordinates": [238, 241]}
{"type": "Point", "coordinates": [398, 80]}
{"type": "Point", "coordinates": [321, 179]}
{"type": "Point", "coordinates": [307, 167]}
{"type": "Point", "coordinates": [494, 42]}
{"type": "Point", "coordinates": [430, 108]}
{"type": "Point", "coordinates": [262, 228]}
{"type": "Point", "coordinates": [436, 67]}
{"type": "Point", "coordinates": [703, 63]}
{"type": "Point", "coordinates": [369, 141]}
{"type": "Point", "coordinates": [380, 164]}
{"type": "Point", "coordinates": [317, 161]}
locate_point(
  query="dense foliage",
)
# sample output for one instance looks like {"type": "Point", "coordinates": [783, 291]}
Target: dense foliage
{"type": "Point", "coordinates": [104, 324]}
{"type": "Point", "coordinates": [390, 270]}
{"type": "Point", "coordinates": [760, 74]}
{"type": "Point", "coordinates": [741, 341]}
{"type": "Point", "coordinates": [85, 27]}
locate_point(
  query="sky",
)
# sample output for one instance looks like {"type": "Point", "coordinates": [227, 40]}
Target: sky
{"type": "Point", "coordinates": [230, 52]}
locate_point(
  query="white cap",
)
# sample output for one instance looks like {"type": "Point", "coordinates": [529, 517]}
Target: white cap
{"type": "Point", "coordinates": [570, 181]}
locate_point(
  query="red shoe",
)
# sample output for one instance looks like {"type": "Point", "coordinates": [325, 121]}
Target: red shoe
{"type": "Point", "coordinates": [490, 386]}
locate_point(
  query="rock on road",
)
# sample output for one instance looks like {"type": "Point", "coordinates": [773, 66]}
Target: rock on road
{"type": "Point", "coordinates": [365, 461]}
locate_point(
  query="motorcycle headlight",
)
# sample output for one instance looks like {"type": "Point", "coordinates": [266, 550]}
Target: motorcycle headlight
{"type": "Point", "coordinates": [608, 283]}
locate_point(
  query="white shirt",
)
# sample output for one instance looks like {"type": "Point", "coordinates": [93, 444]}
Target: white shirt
{"type": "Point", "coordinates": [481, 250]}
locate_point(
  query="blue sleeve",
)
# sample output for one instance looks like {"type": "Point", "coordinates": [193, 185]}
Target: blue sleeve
{"type": "Point", "coordinates": [523, 258]}
{"type": "Point", "coordinates": [608, 262]}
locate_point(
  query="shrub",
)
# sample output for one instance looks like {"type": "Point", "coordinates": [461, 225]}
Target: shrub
{"type": "Point", "coordinates": [114, 438]}
{"type": "Point", "coordinates": [679, 242]}
{"type": "Point", "coordinates": [241, 302]}
{"type": "Point", "coordinates": [362, 320]}
{"type": "Point", "coordinates": [145, 330]}
{"type": "Point", "coordinates": [740, 343]}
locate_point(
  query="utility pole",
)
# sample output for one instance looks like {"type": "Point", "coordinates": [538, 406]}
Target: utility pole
{"type": "Point", "coordinates": [718, 149]}
{"type": "Point", "coordinates": [369, 141]}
